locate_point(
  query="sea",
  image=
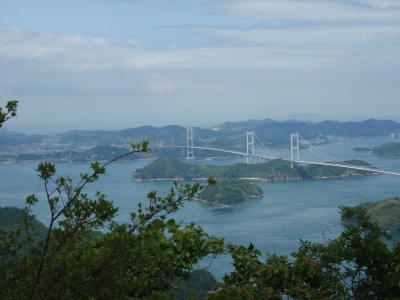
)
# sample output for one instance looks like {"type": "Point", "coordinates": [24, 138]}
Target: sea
{"type": "Point", "coordinates": [287, 213]}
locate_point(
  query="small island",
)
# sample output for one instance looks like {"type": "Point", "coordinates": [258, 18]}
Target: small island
{"type": "Point", "coordinates": [388, 150]}
{"type": "Point", "coordinates": [362, 149]}
{"type": "Point", "coordinates": [230, 192]}
{"type": "Point", "coordinates": [274, 170]}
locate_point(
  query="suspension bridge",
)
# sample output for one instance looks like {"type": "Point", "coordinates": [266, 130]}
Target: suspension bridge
{"type": "Point", "coordinates": [264, 154]}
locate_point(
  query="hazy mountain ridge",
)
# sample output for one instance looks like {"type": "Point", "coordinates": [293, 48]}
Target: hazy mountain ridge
{"type": "Point", "coordinates": [100, 153]}
{"type": "Point", "coordinates": [370, 127]}
{"type": "Point", "coordinates": [232, 134]}
{"type": "Point", "coordinates": [11, 138]}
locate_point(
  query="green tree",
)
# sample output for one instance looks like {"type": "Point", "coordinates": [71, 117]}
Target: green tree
{"type": "Point", "coordinates": [361, 263]}
{"type": "Point", "coordinates": [8, 112]}
{"type": "Point", "coordinates": [130, 261]}
{"type": "Point", "coordinates": [142, 259]}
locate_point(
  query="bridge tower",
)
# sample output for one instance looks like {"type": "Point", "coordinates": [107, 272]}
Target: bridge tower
{"type": "Point", "coordinates": [249, 145]}
{"type": "Point", "coordinates": [294, 147]}
{"type": "Point", "coordinates": [189, 143]}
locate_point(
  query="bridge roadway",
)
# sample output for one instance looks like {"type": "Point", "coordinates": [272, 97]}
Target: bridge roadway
{"type": "Point", "coordinates": [361, 168]}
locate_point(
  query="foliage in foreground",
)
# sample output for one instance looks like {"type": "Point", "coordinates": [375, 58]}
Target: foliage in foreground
{"type": "Point", "coordinates": [8, 112]}
{"type": "Point", "coordinates": [359, 264]}
{"type": "Point", "coordinates": [138, 260]}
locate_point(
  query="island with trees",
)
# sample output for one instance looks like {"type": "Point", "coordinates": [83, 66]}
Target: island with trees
{"type": "Point", "coordinates": [362, 149]}
{"type": "Point", "coordinates": [274, 170]}
{"type": "Point", "coordinates": [230, 192]}
{"type": "Point", "coordinates": [390, 150]}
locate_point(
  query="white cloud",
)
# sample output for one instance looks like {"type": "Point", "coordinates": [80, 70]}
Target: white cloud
{"type": "Point", "coordinates": [78, 53]}
{"type": "Point", "coordinates": [314, 10]}
{"type": "Point", "coordinates": [262, 58]}
{"type": "Point", "coordinates": [382, 3]}
{"type": "Point", "coordinates": [269, 48]}
{"type": "Point", "coordinates": [320, 35]}
{"type": "Point", "coordinates": [75, 53]}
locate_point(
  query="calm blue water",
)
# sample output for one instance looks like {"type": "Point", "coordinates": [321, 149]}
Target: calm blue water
{"type": "Point", "coordinates": [289, 211]}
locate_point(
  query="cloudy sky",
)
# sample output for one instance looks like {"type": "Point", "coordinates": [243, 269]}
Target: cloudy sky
{"type": "Point", "coordinates": [120, 63]}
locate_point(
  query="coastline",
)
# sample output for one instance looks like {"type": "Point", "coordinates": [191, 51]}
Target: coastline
{"type": "Point", "coordinates": [280, 179]}
{"type": "Point", "coordinates": [217, 204]}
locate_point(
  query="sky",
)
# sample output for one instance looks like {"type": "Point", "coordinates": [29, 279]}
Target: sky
{"type": "Point", "coordinates": [107, 64]}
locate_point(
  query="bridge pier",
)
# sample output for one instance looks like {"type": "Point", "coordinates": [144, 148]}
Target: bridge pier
{"type": "Point", "coordinates": [189, 143]}
{"type": "Point", "coordinates": [294, 147]}
{"type": "Point", "coordinates": [249, 145]}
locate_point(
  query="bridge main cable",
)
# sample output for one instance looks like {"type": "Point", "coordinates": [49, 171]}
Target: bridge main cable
{"type": "Point", "coordinates": [371, 169]}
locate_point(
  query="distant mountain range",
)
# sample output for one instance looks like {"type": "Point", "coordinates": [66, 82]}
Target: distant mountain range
{"type": "Point", "coordinates": [232, 134]}
{"type": "Point", "coordinates": [369, 127]}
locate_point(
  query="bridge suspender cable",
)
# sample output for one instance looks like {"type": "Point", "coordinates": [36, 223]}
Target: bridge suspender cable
{"type": "Point", "coordinates": [295, 145]}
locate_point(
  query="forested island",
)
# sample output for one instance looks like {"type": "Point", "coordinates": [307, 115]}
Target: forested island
{"type": "Point", "coordinates": [275, 170]}
{"type": "Point", "coordinates": [388, 150]}
{"type": "Point", "coordinates": [229, 192]}
{"type": "Point", "coordinates": [391, 150]}
{"type": "Point", "coordinates": [362, 149]}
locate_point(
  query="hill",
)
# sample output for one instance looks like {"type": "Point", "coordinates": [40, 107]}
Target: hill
{"type": "Point", "coordinates": [10, 138]}
{"type": "Point", "coordinates": [198, 284]}
{"type": "Point", "coordinates": [174, 169]}
{"type": "Point", "coordinates": [100, 153]}
{"type": "Point", "coordinates": [11, 218]}
{"type": "Point", "coordinates": [386, 213]}
{"type": "Point", "coordinates": [228, 192]}
{"type": "Point", "coordinates": [365, 128]}
{"type": "Point", "coordinates": [391, 150]}
{"type": "Point", "coordinates": [388, 150]}
{"type": "Point", "coordinates": [271, 132]}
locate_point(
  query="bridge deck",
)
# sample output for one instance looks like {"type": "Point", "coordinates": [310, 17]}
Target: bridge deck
{"type": "Point", "coordinates": [345, 166]}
